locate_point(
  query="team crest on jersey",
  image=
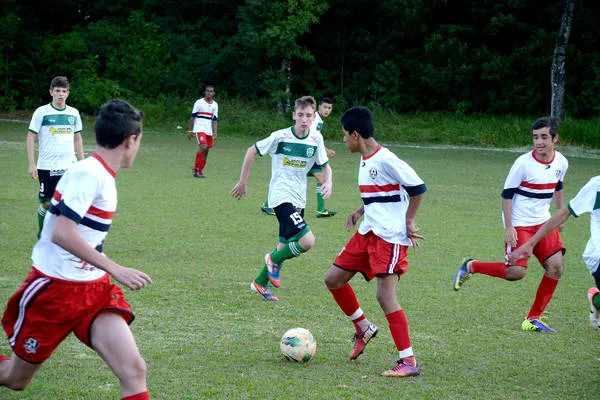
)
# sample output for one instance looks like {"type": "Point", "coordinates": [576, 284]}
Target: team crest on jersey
{"type": "Point", "coordinates": [31, 345]}
{"type": "Point", "coordinates": [373, 173]}
{"type": "Point", "coordinates": [72, 120]}
{"type": "Point", "coordinates": [310, 152]}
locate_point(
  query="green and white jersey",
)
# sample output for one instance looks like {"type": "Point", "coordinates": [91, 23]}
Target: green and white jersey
{"type": "Point", "coordinates": [317, 124]}
{"type": "Point", "coordinates": [291, 159]}
{"type": "Point", "coordinates": [588, 200]}
{"type": "Point", "coordinates": [55, 129]}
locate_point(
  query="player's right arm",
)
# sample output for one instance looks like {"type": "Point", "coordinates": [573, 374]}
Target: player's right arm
{"type": "Point", "coordinates": [510, 233]}
{"type": "Point", "coordinates": [67, 236]}
{"type": "Point", "coordinates": [32, 169]}
{"type": "Point", "coordinates": [239, 190]}
{"type": "Point", "coordinates": [353, 218]}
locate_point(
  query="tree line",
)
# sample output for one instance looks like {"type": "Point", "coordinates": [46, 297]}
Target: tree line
{"type": "Point", "coordinates": [462, 56]}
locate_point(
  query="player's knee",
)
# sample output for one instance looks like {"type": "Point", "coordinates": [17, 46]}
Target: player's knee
{"type": "Point", "coordinates": [307, 242]}
{"type": "Point", "coordinates": [135, 371]}
{"type": "Point", "coordinates": [515, 273]}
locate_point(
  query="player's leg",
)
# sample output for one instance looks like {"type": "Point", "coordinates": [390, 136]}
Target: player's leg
{"type": "Point", "coordinates": [322, 212]}
{"type": "Point", "coordinates": [112, 339]}
{"type": "Point", "coordinates": [199, 162]}
{"type": "Point", "coordinates": [48, 180]}
{"type": "Point", "coordinates": [16, 373]}
{"type": "Point", "coordinates": [398, 324]}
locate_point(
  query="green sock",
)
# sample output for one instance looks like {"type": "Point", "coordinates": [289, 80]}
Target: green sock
{"type": "Point", "coordinates": [596, 301]}
{"type": "Point", "coordinates": [266, 204]}
{"type": "Point", "coordinates": [320, 199]}
{"type": "Point", "coordinates": [41, 215]}
{"type": "Point", "coordinates": [263, 278]}
{"type": "Point", "coordinates": [290, 250]}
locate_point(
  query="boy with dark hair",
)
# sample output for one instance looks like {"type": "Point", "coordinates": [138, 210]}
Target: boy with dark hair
{"type": "Point", "coordinates": [391, 193]}
{"type": "Point", "coordinates": [325, 108]}
{"type": "Point", "coordinates": [69, 287]}
{"type": "Point", "coordinates": [293, 150]}
{"type": "Point", "coordinates": [533, 181]}
{"type": "Point", "coordinates": [203, 125]}
{"type": "Point", "coordinates": [58, 127]}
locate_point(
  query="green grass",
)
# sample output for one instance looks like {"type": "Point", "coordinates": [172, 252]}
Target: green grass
{"type": "Point", "coordinates": [205, 335]}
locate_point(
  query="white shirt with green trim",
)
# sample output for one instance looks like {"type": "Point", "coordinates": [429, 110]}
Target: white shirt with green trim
{"type": "Point", "coordinates": [56, 130]}
{"type": "Point", "coordinates": [291, 158]}
{"type": "Point", "coordinates": [588, 200]}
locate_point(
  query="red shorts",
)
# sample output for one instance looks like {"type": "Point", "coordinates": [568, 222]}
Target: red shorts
{"type": "Point", "coordinates": [372, 256]}
{"type": "Point", "coordinates": [547, 247]}
{"type": "Point", "coordinates": [44, 310]}
{"type": "Point", "coordinates": [203, 138]}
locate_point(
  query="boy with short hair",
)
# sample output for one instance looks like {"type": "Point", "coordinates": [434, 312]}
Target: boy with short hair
{"type": "Point", "coordinates": [203, 126]}
{"type": "Point", "coordinates": [57, 127]}
{"type": "Point", "coordinates": [69, 287]}
{"type": "Point", "coordinates": [293, 151]}
{"type": "Point", "coordinates": [391, 193]}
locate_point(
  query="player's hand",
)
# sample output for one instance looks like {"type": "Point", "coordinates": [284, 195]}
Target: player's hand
{"type": "Point", "coordinates": [412, 232]}
{"type": "Point", "coordinates": [330, 153]}
{"type": "Point", "coordinates": [352, 219]}
{"type": "Point", "coordinates": [522, 253]}
{"type": "Point", "coordinates": [239, 191]}
{"type": "Point", "coordinates": [32, 172]}
{"type": "Point", "coordinates": [132, 278]}
{"type": "Point", "coordinates": [510, 236]}
{"type": "Point", "coordinates": [190, 135]}
{"type": "Point", "coordinates": [326, 190]}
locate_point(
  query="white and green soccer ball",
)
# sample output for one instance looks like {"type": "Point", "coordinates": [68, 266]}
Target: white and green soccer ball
{"type": "Point", "coordinates": [298, 345]}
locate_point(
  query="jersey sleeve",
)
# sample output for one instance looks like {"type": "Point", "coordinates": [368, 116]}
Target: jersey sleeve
{"type": "Point", "coordinates": [513, 180]}
{"type": "Point", "coordinates": [406, 176]}
{"type": "Point", "coordinates": [216, 113]}
{"type": "Point", "coordinates": [563, 172]}
{"type": "Point", "coordinates": [78, 123]}
{"type": "Point", "coordinates": [587, 199]}
{"type": "Point", "coordinates": [267, 145]}
{"type": "Point", "coordinates": [321, 154]}
{"type": "Point", "coordinates": [36, 122]}
{"type": "Point", "coordinates": [77, 194]}
{"type": "Point", "coordinates": [195, 108]}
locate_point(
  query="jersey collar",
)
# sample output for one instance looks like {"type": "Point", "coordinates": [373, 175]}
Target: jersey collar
{"type": "Point", "coordinates": [104, 164]}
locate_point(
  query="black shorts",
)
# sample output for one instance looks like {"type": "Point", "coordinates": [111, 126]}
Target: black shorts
{"type": "Point", "coordinates": [48, 180]}
{"type": "Point", "coordinates": [292, 225]}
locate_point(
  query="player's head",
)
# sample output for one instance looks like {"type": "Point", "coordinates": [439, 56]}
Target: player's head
{"type": "Point", "coordinates": [59, 81]}
{"type": "Point", "coordinates": [552, 123]}
{"type": "Point", "coordinates": [59, 91]}
{"type": "Point", "coordinates": [116, 121]}
{"type": "Point", "coordinates": [304, 113]}
{"type": "Point", "coordinates": [325, 107]}
{"type": "Point", "coordinates": [358, 119]}
{"type": "Point", "coordinates": [209, 91]}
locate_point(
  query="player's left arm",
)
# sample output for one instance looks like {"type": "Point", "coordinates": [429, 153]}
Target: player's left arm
{"type": "Point", "coordinates": [559, 201]}
{"type": "Point", "coordinates": [79, 146]}
{"type": "Point", "coordinates": [214, 128]}
{"type": "Point", "coordinates": [412, 230]}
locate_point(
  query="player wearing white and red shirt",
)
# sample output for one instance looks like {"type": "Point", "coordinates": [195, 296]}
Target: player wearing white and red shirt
{"type": "Point", "coordinates": [203, 125]}
{"type": "Point", "coordinates": [57, 127]}
{"type": "Point", "coordinates": [586, 200]}
{"type": "Point", "coordinates": [535, 179]}
{"type": "Point", "coordinates": [391, 193]}
{"type": "Point", "coordinates": [69, 287]}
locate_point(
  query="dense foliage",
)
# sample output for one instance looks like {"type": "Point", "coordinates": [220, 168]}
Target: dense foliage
{"type": "Point", "coordinates": [460, 56]}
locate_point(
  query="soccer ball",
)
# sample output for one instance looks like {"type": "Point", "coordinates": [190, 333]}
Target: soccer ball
{"type": "Point", "coordinates": [298, 344]}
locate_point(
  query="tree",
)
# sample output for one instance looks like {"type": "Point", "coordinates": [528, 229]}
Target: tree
{"type": "Point", "coordinates": [557, 79]}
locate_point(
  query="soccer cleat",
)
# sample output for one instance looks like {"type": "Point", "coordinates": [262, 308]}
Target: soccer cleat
{"type": "Point", "coordinates": [272, 270]}
{"type": "Point", "coordinates": [198, 174]}
{"type": "Point", "coordinates": [463, 273]}
{"type": "Point", "coordinates": [402, 370]}
{"type": "Point", "coordinates": [535, 325]}
{"type": "Point", "coordinates": [264, 291]}
{"type": "Point", "coordinates": [594, 315]}
{"type": "Point", "coordinates": [325, 213]}
{"type": "Point", "coordinates": [361, 340]}
{"type": "Point", "coordinates": [267, 210]}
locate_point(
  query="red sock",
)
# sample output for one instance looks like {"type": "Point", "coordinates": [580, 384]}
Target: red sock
{"type": "Point", "coordinates": [543, 296]}
{"type": "Point", "coordinates": [495, 269]}
{"type": "Point", "coordinates": [202, 163]}
{"type": "Point", "coordinates": [199, 157]}
{"type": "Point", "coordinates": [399, 330]}
{"type": "Point", "coordinates": [346, 299]}
{"type": "Point", "coordinates": [140, 396]}
{"type": "Point", "coordinates": [3, 358]}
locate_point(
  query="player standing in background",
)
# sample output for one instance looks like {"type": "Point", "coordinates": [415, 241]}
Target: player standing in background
{"type": "Point", "coordinates": [69, 288]}
{"type": "Point", "coordinates": [57, 127]}
{"type": "Point", "coordinates": [533, 181]}
{"type": "Point", "coordinates": [293, 150]}
{"type": "Point", "coordinates": [325, 108]}
{"type": "Point", "coordinates": [586, 200]}
{"type": "Point", "coordinates": [391, 192]}
{"type": "Point", "coordinates": [203, 125]}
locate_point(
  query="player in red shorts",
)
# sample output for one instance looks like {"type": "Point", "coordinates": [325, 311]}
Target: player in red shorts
{"type": "Point", "coordinates": [203, 125]}
{"type": "Point", "coordinates": [533, 181]}
{"type": "Point", "coordinates": [69, 287]}
{"type": "Point", "coordinates": [391, 193]}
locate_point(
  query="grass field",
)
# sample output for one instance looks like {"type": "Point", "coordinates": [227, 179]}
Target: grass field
{"type": "Point", "coordinates": [204, 334]}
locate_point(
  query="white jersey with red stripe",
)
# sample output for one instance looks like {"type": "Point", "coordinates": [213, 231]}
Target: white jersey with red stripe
{"type": "Point", "coordinates": [386, 184]}
{"type": "Point", "coordinates": [588, 200]}
{"type": "Point", "coordinates": [531, 184]}
{"type": "Point", "coordinates": [86, 194]}
{"type": "Point", "coordinates": [204, 113]}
